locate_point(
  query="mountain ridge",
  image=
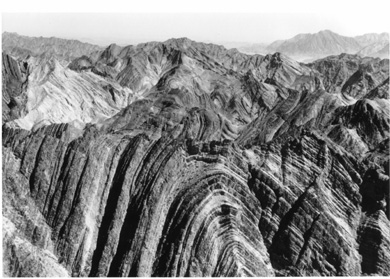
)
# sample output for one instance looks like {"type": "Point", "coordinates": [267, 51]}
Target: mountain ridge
{"type": "Point", "coordinates": [19, 45]}
{"type": "Point", "coordinates": [304, 47]}
{"type": "Point", "coordinates": [324, 43]}
{"type": "Point", "coordinates": [180, 158]}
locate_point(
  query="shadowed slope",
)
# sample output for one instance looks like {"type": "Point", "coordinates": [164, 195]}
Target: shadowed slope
{"type": "Point", "coordinates": [222, 164]}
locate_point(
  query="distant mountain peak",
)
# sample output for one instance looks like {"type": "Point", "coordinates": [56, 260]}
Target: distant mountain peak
{"type": "Point", "coordinates": [21, 46]}
{"type": "Point", "coordinates": [183, 158]}
{"type": "Point", "coordinates": [180, 41]}
{"type": "Point", "coordinates": [327, 31]}
{"type": "Point", "coordinates": [309, 47]}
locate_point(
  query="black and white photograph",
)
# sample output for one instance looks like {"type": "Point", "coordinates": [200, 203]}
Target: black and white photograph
{"type": "Point", "coordinates": [195, 138]}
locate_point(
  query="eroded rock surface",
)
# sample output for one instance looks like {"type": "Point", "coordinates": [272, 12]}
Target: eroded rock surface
{"type": "Point", "coordinates": [207, 162]}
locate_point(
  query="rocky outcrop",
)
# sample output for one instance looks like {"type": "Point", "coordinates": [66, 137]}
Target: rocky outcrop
{"type": "Point", "coordinates": [374, 233]}
{"type": "Point", "coordinates": [352, 75]}
{"type": "Point", "coordinates": [55, 94]}
{"type": "Point", "coordinates": [14, 83]}
{"type": "Point", "coordinates": [223, 164]}
{"type": "Point", "coordinates": [369, 119]}
{"type": "Point", "coordinates": [151, 184]}
{"type": "Point", "coordinates": [381, 91]}
{"type": "Point", "coordinates": [28, 250]}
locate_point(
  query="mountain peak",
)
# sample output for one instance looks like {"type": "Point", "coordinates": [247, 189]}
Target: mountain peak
{"type": "Point", "coordinates": [327, 31]}
{"type": "Point", "coordinates": [306, 47]}
{"type": "Point", "coordinates": [161, 160]}
{"type": "Point", "coordinates": [183, 41]}
{"type": "Point", "coordinates": [10, 33]}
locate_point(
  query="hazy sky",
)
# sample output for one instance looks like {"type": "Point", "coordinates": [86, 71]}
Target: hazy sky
{"type": "Point", "coordinates": [262, 25]}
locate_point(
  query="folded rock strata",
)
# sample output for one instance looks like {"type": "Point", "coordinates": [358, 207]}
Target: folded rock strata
{"type": "Point", "coordinates": [206, 162]}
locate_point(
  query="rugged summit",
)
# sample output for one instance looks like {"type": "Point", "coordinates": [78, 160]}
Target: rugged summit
{"type": "Point", "coordinates": [180, 158]}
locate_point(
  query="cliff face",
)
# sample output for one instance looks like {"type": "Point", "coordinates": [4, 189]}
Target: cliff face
{"type": "Point", "coordinates": [14, 83]}
{"type": "Point", "coordinates": [222, 164]}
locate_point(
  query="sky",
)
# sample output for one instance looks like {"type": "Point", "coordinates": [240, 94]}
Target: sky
{"type": "Point", "coordinates": [124, 22]}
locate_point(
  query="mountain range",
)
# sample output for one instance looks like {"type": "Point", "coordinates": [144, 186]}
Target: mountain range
{"type": "Point", "coordinates": [62, 49]}
{"type": "Point", "coordinates": [183, 158]}
{"type": "Point", "coordinates": [309, 47]}
{"type": "Point", "coordinates": [302, 47]}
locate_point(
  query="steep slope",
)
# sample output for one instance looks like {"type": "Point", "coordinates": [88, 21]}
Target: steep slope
{"type": "Point", "coordinates": [14, 83]}
{"type": "Point", "coordinates": [221, 164]}
{"type": "Point", "coordinates": [381, 91]}
{"type": "Point", "coordinates": [352, 75]}
{"type": "Point", "coordinates": [210, 76]}
{"type": "Point", "coordinates": [55, 94]}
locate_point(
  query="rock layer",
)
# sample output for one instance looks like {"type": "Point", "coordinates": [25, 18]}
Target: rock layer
{"type": "Point", "coordinates": [224, 164]}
